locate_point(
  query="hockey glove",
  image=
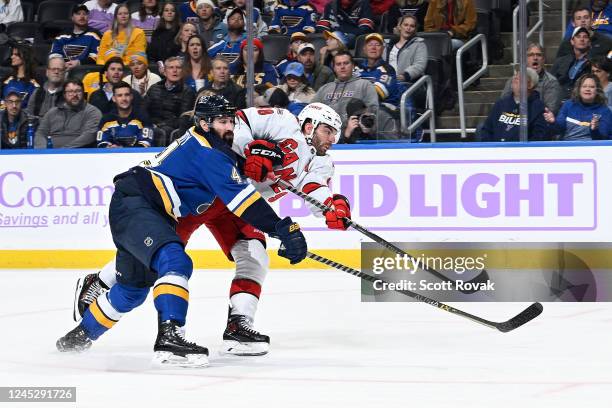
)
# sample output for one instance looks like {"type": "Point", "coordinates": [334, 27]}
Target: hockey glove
{"type": "Point", "coordinates": [341, 209]}
{"type": "Point", "coordinates": [293, 244]}
{"type": "Point", "coordinates": [261, 156]}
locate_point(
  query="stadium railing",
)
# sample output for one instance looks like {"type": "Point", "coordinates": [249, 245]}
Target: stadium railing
{"type": "Point", "coordinates": [429, 113]}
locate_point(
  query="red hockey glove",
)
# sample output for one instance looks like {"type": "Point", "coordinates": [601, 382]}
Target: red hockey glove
{"type": "Point", "coordinates": [340, 209]}
{"type": "Point", "coordinates": [261, 156]}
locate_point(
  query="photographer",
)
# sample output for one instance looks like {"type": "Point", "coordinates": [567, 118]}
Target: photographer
{"type": "Point", "coordinates": [361, 123]}
{"type": "Point", "coordinates": [124, 126]}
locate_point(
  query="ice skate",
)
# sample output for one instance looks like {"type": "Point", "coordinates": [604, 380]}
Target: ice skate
{"type": "Point", "coordinates": [76, 340]}
{"type": "Point", "coordinates": [171, 348]}
{"type": "Point", "coordinates": [88, 288]}
{"type": "Point", "coordinates": [241, 339]}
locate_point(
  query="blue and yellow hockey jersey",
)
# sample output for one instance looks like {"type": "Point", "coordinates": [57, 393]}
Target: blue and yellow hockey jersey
{"type": "Point", "coordinates": [289, 19]}
{"type": "Point", "coordinates": [134, 130]}
{"type": "Point", "coordinates": [382, 75]}
{"type": "Point", "coordinates": [82, 47]}
{"type": "Point", "coordinates": [195, 169]}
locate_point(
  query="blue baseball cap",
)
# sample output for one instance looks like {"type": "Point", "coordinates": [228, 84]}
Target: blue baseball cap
{"type": "Point", "coordinates": [295, 69]}
{"type": "Point", "coordinates": [12, 90]}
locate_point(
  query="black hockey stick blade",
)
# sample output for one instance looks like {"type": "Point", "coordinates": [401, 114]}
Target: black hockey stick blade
{"type": "Point", "coordinates": [482, 277]}
{"type": "Point", "coordinates": [520, 319]}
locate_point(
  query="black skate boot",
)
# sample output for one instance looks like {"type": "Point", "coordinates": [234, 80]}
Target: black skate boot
{"type": "Point", "coordinates": [172, 349]}
{"type": "Point", "coordinates": [75, 340]}
{"type": "Point", "coordinates": [241, 339]}
{"type": "Point", "coordinates": [87, 290]}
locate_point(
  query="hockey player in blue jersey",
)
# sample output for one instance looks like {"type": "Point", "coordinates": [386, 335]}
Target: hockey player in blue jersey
{"type": "Point", "coordinates": [182, 180]}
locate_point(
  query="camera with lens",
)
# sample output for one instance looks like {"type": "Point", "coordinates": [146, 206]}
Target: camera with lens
{"type": "Point", "coordinates": [367, 120]}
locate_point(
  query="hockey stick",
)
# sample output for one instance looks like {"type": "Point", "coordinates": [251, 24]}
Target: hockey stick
{"type": "Point", "coordinates": [482, 277]}
{"type": "Point", "coordinates": [533, 311]}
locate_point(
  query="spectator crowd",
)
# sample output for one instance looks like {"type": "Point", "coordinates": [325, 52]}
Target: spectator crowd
{"type": "Point", "coordinates": [127, 74]}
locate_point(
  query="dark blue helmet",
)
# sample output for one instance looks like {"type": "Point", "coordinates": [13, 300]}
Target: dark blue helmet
{"type": "Point", "coordinates": [209, 107]}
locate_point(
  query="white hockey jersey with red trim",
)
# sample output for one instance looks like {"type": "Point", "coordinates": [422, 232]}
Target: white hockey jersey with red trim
{"type": "Point", "coordinates": [301, 166]}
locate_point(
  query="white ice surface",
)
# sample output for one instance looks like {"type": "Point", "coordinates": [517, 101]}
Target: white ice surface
{"type": "Point", "coordinates": [327, 350]}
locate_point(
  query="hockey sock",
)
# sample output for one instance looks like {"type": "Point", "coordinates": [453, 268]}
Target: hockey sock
{"type": "Point", "coordinates": [108, 274]}
{"type": "Point", "coordinates": [108, 308]}
{"type": "Point", "coordinates": [171, 290]}
{"type": "Point", "coordinates": [244, 296]}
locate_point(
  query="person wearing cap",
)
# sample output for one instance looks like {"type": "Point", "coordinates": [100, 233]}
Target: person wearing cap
{"type": "Point", "coordinates": [141, 79]}
{"type": "Point", "coordinates": [346, 86]}
{"type": "Point", "coordinates": [123, 38]}
{"type": "Point", "coordinates": [548, 87]}
{"type": "Point", "coordinates": [295, 41]}
{"type": "Point", "coordinates": [296, 86]}
{"type": "Point", "coordinates": [210, 24]}
{"type": "Point", "coordinates": [293, 16]}
{"type": "Point", "coordinates": [600, 43]}
{"type": "Point", "coordinates": [335, 41]}
{"type": "Point", "coordinates": [456, 17]}
{"type": "Point", "coordinates": [569, 68]}
{"type": "Point", "coordinates": [382, 75]}
{"type": "Point", "coordinates": [586, 115]}
{"type": "Point", "coordinates": [78, 46]}
{"type": "Point", "coordinates": [260, 26]}
{"type": "Point", "coordinates": [317, 74]}
{"type": "Point", "coordinates": [147, 17]}
{"type": "Point", "coordinates": [13, 122]}
{"type": "Point", "coordinates": [265, 73]}
{"type": "Point", "coordinates": [73, 123]}
{"type": "Point", "coordinates": [10, 13]}
{"type": "Point", "coordinates": [101, 14]}
{"type": "Point", "coordinates": [103, 97]}
{"type": "Point", "coordinates": [22, 78]}
{"type": "Point", "coordinates": [222, 84]}
{"type": "Point", "coordinates": [50, 94]}
{"type": "Point", "coordinates": [503, 122]}
{"type": "Point", "coordinates": [351, 17]}
{"type": "Point", "coordinates": [229, 47]}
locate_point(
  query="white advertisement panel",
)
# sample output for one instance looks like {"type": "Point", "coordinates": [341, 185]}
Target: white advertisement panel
{"type": "Point", "coordinates": [542, 194]}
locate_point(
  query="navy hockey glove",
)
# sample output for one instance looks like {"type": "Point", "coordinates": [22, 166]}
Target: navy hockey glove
{"type": "Point", "coordinates": [341, 209]}
{"type": "Point", "coordinates": [261, 156]}
{"type": "Point", "coordinates": [293, 244]}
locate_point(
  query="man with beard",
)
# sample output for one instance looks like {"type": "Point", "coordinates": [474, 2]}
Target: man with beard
{"type": "Point", "coordinates": [272, 145]}
{"type": "Point", "coordinates": [317, 74]}
{"type": "Point", "coordinates": [74, 123]}
{"type": "Point", "coordinates": [80, 45]}
{"type": "Point", "coordinates": [182, 181]}
{"type": "Point", "coordinates": [547, 87]}
{"type": "Point", "coordinates": [569, 68]}
{"type": "Point", "coordinates": [229, 47]}
{"type": "Point", "coordinates": [103, 97]}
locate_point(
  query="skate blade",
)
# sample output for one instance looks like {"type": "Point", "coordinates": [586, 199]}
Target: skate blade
{"type": "Point", "coordinates": [167, 359]}
{"type": "Point", "coordinates": [75, 305]}
{"type": "Point", "coordinates": [236, 348]}
{"type": "Point", "coordinates": [74, 350]}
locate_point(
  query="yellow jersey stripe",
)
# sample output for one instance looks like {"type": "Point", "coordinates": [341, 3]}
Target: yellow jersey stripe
{"type": "Point", "coordinates": [199, 138]}
{"type": "Point", "coordinates": [100, 316]}
{"type": "Point", "coordinates": [108, 125]}
{"type": "Point", "coordinates": [247, 203]}
{"type": "Point", "coordinates": [157, 181]}
{"type": "Point", "coordinates": [166, 289]}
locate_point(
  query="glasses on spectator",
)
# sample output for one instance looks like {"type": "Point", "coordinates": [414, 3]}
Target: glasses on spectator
{"type": "Point", "coordinates": [535, 54]}
{"type": "Point", "coordinates": [74, 92]}
{"type": "Point", "coordinates": [14, 102]}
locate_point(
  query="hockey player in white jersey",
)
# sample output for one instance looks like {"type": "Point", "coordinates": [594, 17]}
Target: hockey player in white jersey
{"type": "Point", "coordinates": [274, 145]}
